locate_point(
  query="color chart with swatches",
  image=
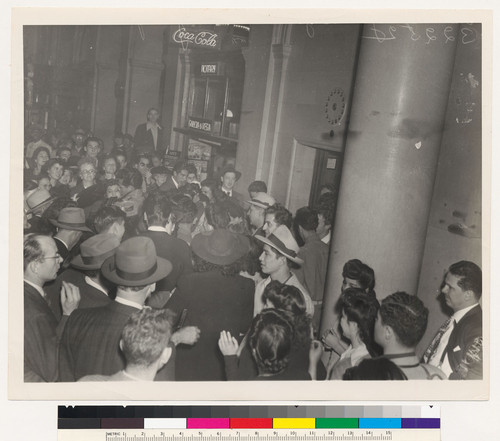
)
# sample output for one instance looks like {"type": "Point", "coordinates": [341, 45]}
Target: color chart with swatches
{"type": "Point", "coordinates": [248, 423]}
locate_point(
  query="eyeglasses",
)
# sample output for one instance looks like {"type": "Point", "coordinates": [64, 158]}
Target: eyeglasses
{"type": "Point", "coordinates": [56, 256]}
{"type": "Point", "coordinates": [88, 172]}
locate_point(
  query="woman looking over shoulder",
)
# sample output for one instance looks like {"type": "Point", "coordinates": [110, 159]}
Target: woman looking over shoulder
{"type": "Point", "coordinates": [358, 312]}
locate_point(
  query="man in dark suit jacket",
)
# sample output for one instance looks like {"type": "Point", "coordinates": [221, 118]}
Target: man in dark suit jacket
{"type": "Point", "coordinates": [85, 274]}
{"type": "Point", "coordinates": [178, 178]}
{"type": "Point", "coordinates": [90, 342]}
{"type": "Point", "coordinates": [41, 328]}
{"type": "Point", "coordinates": [149, 136]}
{"type": "Point", "coordinates": [457, 347]}
{"type": "Point", "coordinates": [158, 210]}
{"type": "Point", "coordinates": [217, 299]}
{"type": "Point", "coordinates": [465, 347]}
{"type": "Point", "coordinates": [228, 177]}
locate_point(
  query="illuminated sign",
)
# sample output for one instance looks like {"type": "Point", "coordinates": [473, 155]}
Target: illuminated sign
{"type": "Point", "coordinates": [196, 36]}
{"type": "Point", "coordinates": [205, 125]}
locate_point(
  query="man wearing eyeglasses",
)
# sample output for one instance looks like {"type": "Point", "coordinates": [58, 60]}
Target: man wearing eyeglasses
{"type": "Point", "coordinates": [41, 328]}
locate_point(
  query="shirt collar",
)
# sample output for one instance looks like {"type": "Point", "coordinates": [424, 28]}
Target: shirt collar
{"type": "Point", "coordinates": [38, 288]}
{"type": "Point", "coordinates": [129, 303]}
{"type": "Point", "coordinates": [150, 125]}
{"type": "Point", "coordinates": [95, 285]}
{"type": "Point", "coordinates": [356, 354]}
{"type": "Point", "coordinates": [457, 316]}
{"type": "Point", "coordinates": [62, 241]}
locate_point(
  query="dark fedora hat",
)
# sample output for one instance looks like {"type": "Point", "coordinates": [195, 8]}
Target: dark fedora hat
{"type": "Point", "coordinates": [221, 247]}
{"type": "Point", "coordinates": [71, 218]}
{"type": "Point", "coordinates": [135, 263]}
{"type": "Point", "coordinates": [230, 169]}
{"type": "Point", "coordinates": [95, 250]}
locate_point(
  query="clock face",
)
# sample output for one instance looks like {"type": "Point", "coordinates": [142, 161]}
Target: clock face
{"type": "Point", "coordinates": [335, 106]}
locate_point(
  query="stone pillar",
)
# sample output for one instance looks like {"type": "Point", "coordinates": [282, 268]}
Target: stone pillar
{"type": "Point", "coordinates": [399, 103]}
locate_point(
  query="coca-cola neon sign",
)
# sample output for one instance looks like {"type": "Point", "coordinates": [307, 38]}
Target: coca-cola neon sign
{"type": "Point", "coordinates": [201, 38]}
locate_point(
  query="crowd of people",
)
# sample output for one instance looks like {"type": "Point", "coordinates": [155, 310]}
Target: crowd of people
{"type": "Point", "coordinates": [135, 271]}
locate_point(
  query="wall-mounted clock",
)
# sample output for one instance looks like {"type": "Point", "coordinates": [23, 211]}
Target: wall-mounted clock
{"type": "Point", "coordinates": [335, 106]}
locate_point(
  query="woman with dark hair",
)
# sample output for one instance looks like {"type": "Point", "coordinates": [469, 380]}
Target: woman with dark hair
{"type": "Point", "coordinates": [215, 297]}
{"type": "Point", "coordinates": [377, 369]}
{"type": "Point", "coordinates": [54, 169]}
{"type": "Point", "coordinates": [358, 312]}
{"type": "Point", "coordinates": [271, 343]}
{"type": "Point", "coordinates": [276, 296]}
{"type": "Point", "coordinates": [40, 157]}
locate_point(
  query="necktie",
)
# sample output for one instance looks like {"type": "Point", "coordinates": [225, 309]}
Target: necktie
{"type": "Point", "coordinates": [431, 350]}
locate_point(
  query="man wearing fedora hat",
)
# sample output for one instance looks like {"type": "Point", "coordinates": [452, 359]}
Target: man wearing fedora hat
{"type": "Point", "coordinates": [90, 342]}
{"type": "Point", "coordinates": [41, 328]}
{"type": "Point", "coordinates": [85, 273]}
{"type": "Point", "coordinates": [228, 177]}
{"type": "Point", "coordinates": [36, 203]}
{"type": "Point", "coordinates": [216, 298]}
{"type": "Point", "coordinates": [70, 226]}
{"type": "Point", "coordinates": [280, 253]}
{"type": "Point", "coordinates": [257, 212]}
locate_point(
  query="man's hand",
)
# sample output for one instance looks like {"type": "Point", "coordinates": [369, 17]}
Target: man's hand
{"type": "Point", "coordinates": [187, 335]}
{"type": "Point", "coordinates": [70, 297]}
{"type": "Point", "coordinates": [228, 345]}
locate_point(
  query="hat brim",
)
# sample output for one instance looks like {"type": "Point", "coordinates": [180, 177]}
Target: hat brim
{"type": "Point", "coordinates": [258, 204]}
{"type": "Point", "coordinates": [70, 227]}
{"type": "Point", "coordinates": [41, 204]}
{"type": "Point", "coordinates": [231, 170]}
{"type": "Point", "coordinates": [77, 263]}
{"type": "Point", "coordinates": [163, 269]}
{"type": "Point", "coordinates": [199, 245]}
{"type": "Point", "coordinates": [265, 240]}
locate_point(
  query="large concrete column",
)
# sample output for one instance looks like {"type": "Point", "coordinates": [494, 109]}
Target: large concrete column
{"type": "Point", "coordinates": [399, 104]}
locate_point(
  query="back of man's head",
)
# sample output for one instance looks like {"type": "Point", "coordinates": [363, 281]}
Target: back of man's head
{"type": "Point", "coordinates": [281, 215]}
{"type": "Point", "coordinates": [406, 315]}
{"type": "Point", "coordinates": [257, 187]}
{"type": "Point", "coordinates": [157, 209]}
{"type": "Point", "coordinates": [307, 218]}
{"type": "Point", "coordinates": [470, 276]}
{"type": "Point", "coordinates": [146, 335]}
{"type": "Point", "coordinates": [106, 217]}
{"type": "Point", "coordinates": [179, 166]}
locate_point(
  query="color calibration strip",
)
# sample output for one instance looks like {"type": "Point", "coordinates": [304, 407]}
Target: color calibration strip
{"type": "Point", "coordinates": [248, 417]}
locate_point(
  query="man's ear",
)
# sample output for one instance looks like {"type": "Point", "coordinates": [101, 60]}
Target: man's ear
{"type": "Point", "coordinates": [301, 231]}
{"type": "Point", "coordinates": [165, 355]}
{"type": "Point", "coordinates": [33, 266]}
{"type": "Point", "coordinates": [121, 345]}
{"type": "Point", "coordinates": [469, 295]}
{"type": "Point", "coordinates": [388, 332]}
